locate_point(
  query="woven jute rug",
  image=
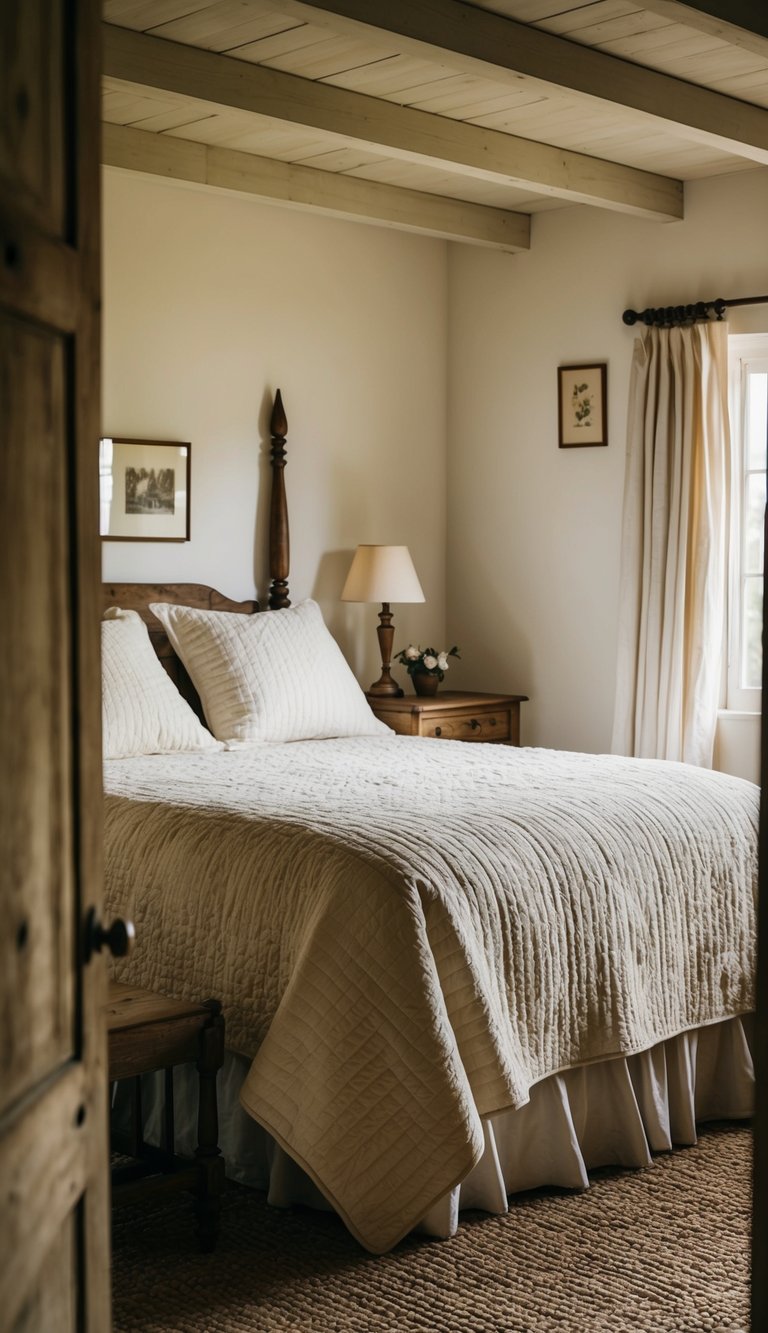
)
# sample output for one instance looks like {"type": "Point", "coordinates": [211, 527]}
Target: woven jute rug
{"type": "Point", "coordinates": [650, 1251]}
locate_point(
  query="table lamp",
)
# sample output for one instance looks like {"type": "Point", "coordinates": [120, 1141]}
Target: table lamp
{"type": "Point", "coordinates": [383, 574]}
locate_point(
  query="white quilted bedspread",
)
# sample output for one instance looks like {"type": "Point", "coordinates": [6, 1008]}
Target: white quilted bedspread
{"type": "Point", "coordinates": [407, 934]}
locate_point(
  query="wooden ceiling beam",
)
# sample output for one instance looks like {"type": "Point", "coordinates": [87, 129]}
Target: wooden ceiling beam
{"type": "Point", "coordinates": [742, 23]}
{"type": "Point", "coordinates": [483, 43]}
{"type": "Point", "coordinates": [384, 127]}
{"type": "Point", "coordinates": [308, 188]}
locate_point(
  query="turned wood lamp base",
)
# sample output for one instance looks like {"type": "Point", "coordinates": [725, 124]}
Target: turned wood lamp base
{"type": "Point", "coordinates": [385, 686]}
{"type": "Point", "coordinates": [383, 574]}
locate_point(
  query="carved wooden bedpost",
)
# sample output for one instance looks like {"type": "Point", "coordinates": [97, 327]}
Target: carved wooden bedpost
{"type": "Point", "coordinates": [279, 540]}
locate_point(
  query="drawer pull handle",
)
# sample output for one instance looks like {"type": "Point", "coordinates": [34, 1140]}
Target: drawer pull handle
{"type": "Point", "coordinates": [438, 731]}
{"type": "Point", "coordinates": [474, 724]}
{"type": "Point", "coordinates": [493, 721]}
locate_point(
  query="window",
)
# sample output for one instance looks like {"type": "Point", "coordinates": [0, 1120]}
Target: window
{"type": "Point", "coordinates": [748, 354]}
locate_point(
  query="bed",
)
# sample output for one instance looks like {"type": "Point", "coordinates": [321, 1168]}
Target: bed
{"type": "Point", "coordinates": [449, 972]}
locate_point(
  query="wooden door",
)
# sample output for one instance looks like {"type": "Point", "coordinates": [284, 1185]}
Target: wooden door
{"type": "Point", "coordinates": [54, 1270]}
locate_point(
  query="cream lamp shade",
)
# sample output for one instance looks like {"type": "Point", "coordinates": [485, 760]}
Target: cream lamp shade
{"type": "Point", "coordinates": [383, 574]}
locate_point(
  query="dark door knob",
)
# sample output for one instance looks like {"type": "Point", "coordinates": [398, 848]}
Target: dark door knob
{"type": "Point", "coordinates": [118, 939]}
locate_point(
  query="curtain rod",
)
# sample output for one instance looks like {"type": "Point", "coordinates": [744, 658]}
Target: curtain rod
{"type": "Point", "coordinates": [668, 315]}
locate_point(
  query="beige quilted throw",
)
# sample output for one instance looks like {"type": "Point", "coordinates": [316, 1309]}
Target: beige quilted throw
{"type": "Point", "coordinates": [407, 935]}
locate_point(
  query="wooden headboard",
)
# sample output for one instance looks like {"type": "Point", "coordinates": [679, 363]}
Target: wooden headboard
{"type": "Point", "coordinates": [138, 596]}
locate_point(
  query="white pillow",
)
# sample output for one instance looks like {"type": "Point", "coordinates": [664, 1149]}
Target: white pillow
{"type": "Point", "coordinates": [142, 711]}
{"type": "Point", "coordinates": [273, 676]}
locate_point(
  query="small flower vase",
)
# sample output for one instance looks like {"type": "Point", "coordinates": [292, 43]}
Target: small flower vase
{"type": "Point", "coordinates": [425, 683]}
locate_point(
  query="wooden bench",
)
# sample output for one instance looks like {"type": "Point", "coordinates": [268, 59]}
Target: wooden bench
{"type": "Point", "coordinates": [149, 1032]}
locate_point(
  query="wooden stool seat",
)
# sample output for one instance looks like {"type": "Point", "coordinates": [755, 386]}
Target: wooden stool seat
{"type": "Point", "coordinates": [149, 1032]}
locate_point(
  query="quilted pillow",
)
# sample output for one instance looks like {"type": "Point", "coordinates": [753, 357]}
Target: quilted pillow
{"type": "Point", "coordinates": [142, 711]}
{"type": "Point", "coordinates": [274, 676]}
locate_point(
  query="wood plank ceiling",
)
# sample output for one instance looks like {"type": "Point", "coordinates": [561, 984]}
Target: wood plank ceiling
{"type": "Point", "coordinates": [453, 119]}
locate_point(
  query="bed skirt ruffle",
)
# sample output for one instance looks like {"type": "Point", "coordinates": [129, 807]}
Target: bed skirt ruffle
{"type": "Point", "coordinates": [616, 1112]}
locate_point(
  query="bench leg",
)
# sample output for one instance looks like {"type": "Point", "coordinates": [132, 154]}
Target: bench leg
{"type": "Point", "coordinates": [208, 1156]}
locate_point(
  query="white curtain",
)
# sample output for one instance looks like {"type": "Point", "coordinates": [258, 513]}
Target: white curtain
{"type": "Point", "coordinates": [673, 560]}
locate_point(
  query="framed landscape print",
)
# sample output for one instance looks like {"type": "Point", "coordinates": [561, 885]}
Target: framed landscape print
{"type": "Point", "coordinates": [144, 490]}
{"type": "Point", "coordinates": [582, 405]}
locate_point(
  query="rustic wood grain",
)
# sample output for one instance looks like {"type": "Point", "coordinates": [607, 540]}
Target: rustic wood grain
{"type": "Point", "coordinates": [148, 1032]}
{"type": "Point", "coordinates": [458, 715]}
{"type": "Point", "coordinates": [53, 1117]}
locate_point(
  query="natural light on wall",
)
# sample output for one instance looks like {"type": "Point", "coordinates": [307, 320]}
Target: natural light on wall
{"type": "Point", "coordinates": [749, 421]}
{"type": "Point", "coordinates": [105, 483]}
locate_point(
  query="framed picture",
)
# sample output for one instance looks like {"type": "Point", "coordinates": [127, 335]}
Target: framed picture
{"type": "Point", "coordinates": [144, 490]}
{"type": "Point", "coordinates": [582, 405]}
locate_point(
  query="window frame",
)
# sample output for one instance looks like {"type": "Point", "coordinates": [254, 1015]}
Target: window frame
{"type": "Point", "coordinates": [747, 353]}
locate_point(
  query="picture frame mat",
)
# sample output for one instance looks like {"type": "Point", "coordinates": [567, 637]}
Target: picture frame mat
{"type": "Point", "coordinates": [582, 405]}
{"type": "Point", "coordinates": [118, 459]}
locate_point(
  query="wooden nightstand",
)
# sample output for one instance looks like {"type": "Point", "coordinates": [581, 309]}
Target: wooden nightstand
{"type": "Point", "coordinates": [457, 715]}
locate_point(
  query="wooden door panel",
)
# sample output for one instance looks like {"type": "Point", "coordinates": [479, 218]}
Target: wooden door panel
{"type": "Point", "coordinates": [36, 1004]}
{"type": "Point", "coordinates": [38, 276]}
{"type": "Point", "coordinates": [44, 1162]}
{"type": "Point", "coordinates": [54, 1178]}
{"type": "Point", "coordinates": [51, 1303]}
{"type": "Point", "coordinates": [32, 149]}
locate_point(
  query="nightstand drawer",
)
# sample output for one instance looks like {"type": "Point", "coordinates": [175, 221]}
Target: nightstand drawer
{"type": "Point", "coordinates": [468, 726]}
{"type": "Point", "coordinates": [453, 715]}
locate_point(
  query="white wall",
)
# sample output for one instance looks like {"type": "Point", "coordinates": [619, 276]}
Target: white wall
{"type": "Point", "coordinates": [211, 301]}
{"type": "Point", "coordinates": [534, 531]}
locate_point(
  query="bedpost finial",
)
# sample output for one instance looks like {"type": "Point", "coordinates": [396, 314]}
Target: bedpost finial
{"type": "Point", "coordinates": [279, 542]}
{"type": "Point", "coordinates": [278, 423]}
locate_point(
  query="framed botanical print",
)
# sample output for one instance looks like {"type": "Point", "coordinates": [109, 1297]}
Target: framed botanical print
{"type": "Point", "coordinates": [144, 490]}
{"type": "Point", "coordinates": [582, 405]}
